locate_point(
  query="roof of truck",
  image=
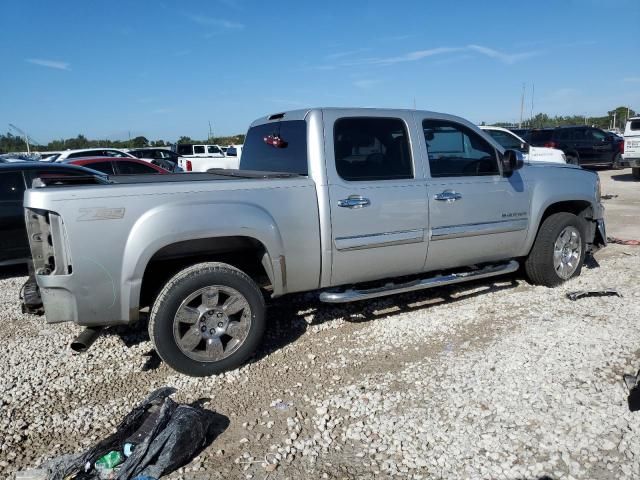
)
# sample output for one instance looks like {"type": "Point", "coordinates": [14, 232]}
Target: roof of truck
{"type": "Point", "coordinates": [301, 114]}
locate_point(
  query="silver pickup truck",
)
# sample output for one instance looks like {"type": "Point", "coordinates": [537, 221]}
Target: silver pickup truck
{"type": "Point", "coordinates": [351, 203]}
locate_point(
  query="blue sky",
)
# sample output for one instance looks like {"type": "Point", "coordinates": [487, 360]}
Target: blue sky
{"type": "Point", "coordinates": [164, 69]}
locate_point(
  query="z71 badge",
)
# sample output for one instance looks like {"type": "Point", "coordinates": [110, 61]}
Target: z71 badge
{"type": "Point", "coordinates": [100, 213]}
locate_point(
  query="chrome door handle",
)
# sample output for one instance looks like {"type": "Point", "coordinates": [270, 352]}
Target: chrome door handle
{"type": "Point", "coordinates": [354, 201]}
{"type": "Point", "coordinates": [448, 196]}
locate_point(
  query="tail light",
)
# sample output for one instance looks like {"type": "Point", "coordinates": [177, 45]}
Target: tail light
{"type": "Point", "coordinates": [550, 144]}
{"type": "Point", "coordinates": [621, 147]}
{"type": "Point", "coordinates": [189, 166]}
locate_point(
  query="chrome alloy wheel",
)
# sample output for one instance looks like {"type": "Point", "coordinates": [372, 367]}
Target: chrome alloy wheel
{"type": "Point", "coordinates": [212, 323]}
{"type": "Point", "coordinates": [566, 252]}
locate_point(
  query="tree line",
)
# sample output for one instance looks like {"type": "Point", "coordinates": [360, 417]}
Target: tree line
{"type": "Point", "coordinates": [542, 120]}
{"type": "Point", "coordinates": [15, 143]}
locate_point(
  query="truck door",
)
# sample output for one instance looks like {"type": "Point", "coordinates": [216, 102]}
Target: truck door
{"type": "Point", "coordinates": [475, 214]}
{"type": "Point", "coordinates": [377, 197]}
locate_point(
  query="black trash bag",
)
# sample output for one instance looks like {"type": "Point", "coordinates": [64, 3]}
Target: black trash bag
{"type": "Point", "coordinates": [175, 441]}
{"type": "Point", "coordinates": [75, 467]}
{"type": "Point", "coordinates": [177, 434]}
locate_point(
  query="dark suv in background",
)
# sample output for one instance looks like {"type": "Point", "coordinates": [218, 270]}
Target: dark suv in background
{"type": "Point", "coordinates": [582, 145]}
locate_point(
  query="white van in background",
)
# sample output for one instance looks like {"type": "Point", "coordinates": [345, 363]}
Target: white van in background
{"type": "Point", "coordinates": [631, 154]}
{"type": "Point", "coordinates": [200, 158]}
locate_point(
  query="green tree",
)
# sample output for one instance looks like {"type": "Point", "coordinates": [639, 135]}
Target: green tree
{"type": "Point", "coordinates": [184, 139]}
{"type": "Point", "coordinates": [139, 142]}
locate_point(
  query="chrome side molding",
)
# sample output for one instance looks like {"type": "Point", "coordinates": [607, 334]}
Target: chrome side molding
{"type": "Point", "coordinates": [352, 295]}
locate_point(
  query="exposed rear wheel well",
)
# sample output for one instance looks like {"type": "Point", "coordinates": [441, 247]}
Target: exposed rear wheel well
{"type": "Point", "coordinates": [245, 253]}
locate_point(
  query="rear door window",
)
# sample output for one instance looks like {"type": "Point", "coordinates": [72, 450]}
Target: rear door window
{"type": "Point", "coordinates": [372, 149]}
{"type": "Point", "coordinates": [213, 149]}
{"type": "Point", "coordinates": [197, 149]}
{"type": "Point", "coordinates": [635, 125]}
{"type": "Point", "coordinates": [276, 147]}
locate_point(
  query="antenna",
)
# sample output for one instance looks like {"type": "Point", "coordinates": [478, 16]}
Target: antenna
{"type": "Point", "coordinates": [521, 106]}
{"type": "Point", "coordinates": [24, 135]}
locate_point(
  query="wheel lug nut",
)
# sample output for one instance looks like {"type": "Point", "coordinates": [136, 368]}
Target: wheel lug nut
{"type": "Point", "coordinates": [212, 331]}
{"type": "Point", "coordinates": [209, 313]}
{"type": "Point", "coordinates": [203, 329]}
{"type": "Point", "coordinates": [219, 314]}
{"type": "Point", "coordinates": [220, 324]}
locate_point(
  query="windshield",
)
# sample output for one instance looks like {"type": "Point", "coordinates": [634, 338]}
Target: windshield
{"type": "Point", "coordinates": [276, 147]}
{"type": "Point", "coordinates": [505, 139]}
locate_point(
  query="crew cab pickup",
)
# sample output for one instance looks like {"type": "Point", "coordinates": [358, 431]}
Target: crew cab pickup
{"type": "Point", "coordinates": [350, 203]}
{"type": "Point", "coordinates": [631, 153]}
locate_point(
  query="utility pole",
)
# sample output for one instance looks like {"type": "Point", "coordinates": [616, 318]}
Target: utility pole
{"type": "Point", "coordinates": [521, 106]}
{"type": "Point", "coordinates": [210, 132]}
{"type": "Point", "coordinates": [24, 136]}
{"type": "Point", "coordinates": [614, 119]}
{"type": "Point", "coordinates": [533, 92]}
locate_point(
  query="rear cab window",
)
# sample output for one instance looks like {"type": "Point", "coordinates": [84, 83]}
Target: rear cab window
{"type": "Point", "coordinates": [276, 147]}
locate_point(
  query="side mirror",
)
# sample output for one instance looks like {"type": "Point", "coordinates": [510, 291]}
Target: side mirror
{"type": "Point", "coordinates": [511, 160]}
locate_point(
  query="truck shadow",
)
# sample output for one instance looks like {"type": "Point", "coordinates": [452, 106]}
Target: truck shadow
{"type": "Point", "coordinates": [623, 177]}
{"type": "Point", "coordinates": [289, 318]}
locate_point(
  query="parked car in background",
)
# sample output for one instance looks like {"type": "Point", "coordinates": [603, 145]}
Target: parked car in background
{"type": "Point", "coordinates": [14, 179]}
{"type": "Point", "coordinates": [583, 145]}
{"type": "Point", "coordinates": [89, 152]}
{"type": "Point", "coordinates": [631, 155]}
{"type": "Point", "coordinates": [118, 166]}
{"type": "Point", "coordinates": [162, 157]}
{"type": "Point", "coordinates": [510, 140]}
{"type": "Point", "coordinates": [336, 201]}
{"type": "Point", "coordinates": [200, 158]}
{"type": "Point", "coordinates": [521, 132]}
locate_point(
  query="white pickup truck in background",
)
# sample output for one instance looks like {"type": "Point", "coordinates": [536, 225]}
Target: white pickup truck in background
{"type": "Point", "coordinates": [200, 158]}
{"type": "Point", "coordinates": [631, 154]}
{"type": "Point", "coordinates": [510, 140]}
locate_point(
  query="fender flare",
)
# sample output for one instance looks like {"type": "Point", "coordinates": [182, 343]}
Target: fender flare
{"type": "Point", "coordinates": [158, 228]}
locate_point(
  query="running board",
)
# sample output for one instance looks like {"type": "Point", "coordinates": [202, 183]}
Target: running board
{"type": "Point", "coordinates": [352, 295]}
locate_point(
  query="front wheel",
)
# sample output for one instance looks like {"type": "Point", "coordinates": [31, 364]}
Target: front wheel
{"type": "Point", "coordinates": [558, 252]}
{"type": "Point", "coordinates": [207, 319]}
{"type": "Point", "coordinates": [573, 158]}
{"type": "Point", "coordinates": [617, 162]}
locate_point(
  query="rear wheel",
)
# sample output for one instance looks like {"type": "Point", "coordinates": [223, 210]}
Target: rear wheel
{"type": "Point", "coordinates": [635, 171]}
{"type": "Point", "coordinates": [558, 252]}
{"type": "Point", "coordinates": [207, 319]}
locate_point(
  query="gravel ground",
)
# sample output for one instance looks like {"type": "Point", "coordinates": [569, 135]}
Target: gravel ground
{"type": "Point", "coordinates": [487, 380]}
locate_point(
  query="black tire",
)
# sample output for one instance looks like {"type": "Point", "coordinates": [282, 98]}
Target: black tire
{"type": "Point", "coordinates": [539, 265]}
{"type": "Point", "coordinates": [573, 158]}
{"type": "Point", "coordinates": [635, 171]}
{"type": "Point", "coordinates": [177, 290]}
{"type": "Point", "coordinates": [617, 162]}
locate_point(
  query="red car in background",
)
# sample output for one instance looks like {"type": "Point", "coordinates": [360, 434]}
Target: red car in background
{"type": "Point", "coordinates": [118, 166]}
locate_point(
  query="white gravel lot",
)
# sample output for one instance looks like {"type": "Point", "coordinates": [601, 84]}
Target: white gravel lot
{"type": "Point", "coordinates": [488, 380]}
